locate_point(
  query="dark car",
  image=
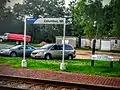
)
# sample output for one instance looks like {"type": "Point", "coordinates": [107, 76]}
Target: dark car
{"type": "Point", "coordinates": [17, 50]}
{"type": "Point", "coordinates": [54, 51]}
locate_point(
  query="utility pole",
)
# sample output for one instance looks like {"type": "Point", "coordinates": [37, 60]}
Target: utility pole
{"type": "Point", "coordinates": [94, 44]}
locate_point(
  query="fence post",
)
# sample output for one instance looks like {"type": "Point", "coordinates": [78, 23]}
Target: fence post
{"type": "Point", "coordinates": [111, 64]}
{"type": "Point", "coordinates": [93, 51]}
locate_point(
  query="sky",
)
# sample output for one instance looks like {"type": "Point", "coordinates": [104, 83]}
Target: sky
{"type": "Point", "coordinates": [66, 1]}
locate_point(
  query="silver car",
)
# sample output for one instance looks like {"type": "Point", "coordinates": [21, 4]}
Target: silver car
{"type": "Point", "coordinates": [17, 51]}
{"type": "Point", "coordinates": [54, 51]}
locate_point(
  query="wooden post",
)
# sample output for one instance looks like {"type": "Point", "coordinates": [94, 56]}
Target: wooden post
{"type": "Point", "coordinates": [111, 64]}
{"type": "Point", "coordinates": [93, 51]}
{"type": "Point", "coordinates": [92, 62]}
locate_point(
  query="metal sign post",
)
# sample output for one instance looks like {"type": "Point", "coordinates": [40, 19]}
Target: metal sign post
{"type": "Point", "coordinates": [62, 65]}
{"type": "Point", "coordinates": [24, 62]}
{"type": "Point", "coordinates": [29, 20]}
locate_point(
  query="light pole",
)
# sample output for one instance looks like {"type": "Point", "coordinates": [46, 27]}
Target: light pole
{"type": "Point", "coordinates": [93, 45]}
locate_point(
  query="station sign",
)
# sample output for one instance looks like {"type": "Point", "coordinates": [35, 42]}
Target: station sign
{"type": "Point", "coordinates": [45, 21]}
{"type": "Point", "coordinates": [102, 57]}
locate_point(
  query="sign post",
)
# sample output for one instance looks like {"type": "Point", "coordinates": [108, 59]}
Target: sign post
{"type": "Point", "coordinates": [62, 65]}
{"type": "Point", "coordinates": [103, 58]}
{"type": "Point", "coordinates": [24, 62]}
{"type": "Point", "coordinates": [44, 21]}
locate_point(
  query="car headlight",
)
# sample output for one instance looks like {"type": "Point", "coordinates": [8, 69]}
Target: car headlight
{"type": "Point", "coordinates": [5, 51]}
{"type": "Point", "coordinates": [40, 52]}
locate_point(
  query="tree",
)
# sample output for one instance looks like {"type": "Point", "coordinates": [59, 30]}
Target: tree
{"type": "Point", "coordinates": [77, 10]}
{"type": "Point", "coordinates": [5, 16]}
{"type": "Point", "coordinates": [42, 8]}
{"type": "Point", "coordinates": [118, 17]}
{"type": "Point", "coordinates": [85, 14]}
{"type": "Point", "coordinates": [3, 11]}
{"type": "Point", "coordinates": [115, 4]}
{"type": "Point", "coordinates": [88, 15]}
{"type": "Point", "coordinates": [107, 24]}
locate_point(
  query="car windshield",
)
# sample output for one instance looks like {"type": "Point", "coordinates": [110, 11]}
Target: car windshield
{"type": "Point", "coordinates": [48, 46]}
{"type": "Point", "coordinates": [15, 47]}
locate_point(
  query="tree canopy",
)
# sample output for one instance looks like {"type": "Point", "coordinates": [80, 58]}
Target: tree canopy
{"type": "Point", "coordinates": [39, 9]}
{"type": "Point", "coordinates": [3, 11]}
{"type": "Point", "coordinates": [97, 21]}
{"type": "Point", "coordinates": [87, 18]}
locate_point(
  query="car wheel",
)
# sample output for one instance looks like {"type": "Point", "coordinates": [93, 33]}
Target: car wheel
{"type": "Point", "coordinates": [47, 56]}
{"type": "Point", "coordinates": [70, 57]}
{"type": "Point", "coordinates": [13, 54]}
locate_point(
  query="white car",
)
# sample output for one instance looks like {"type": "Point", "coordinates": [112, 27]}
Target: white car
{"type": "Point", "coordinates": [54, 51]}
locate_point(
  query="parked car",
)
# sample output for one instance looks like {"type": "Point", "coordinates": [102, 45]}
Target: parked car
{"type": "Point", "coordinates": [17, 50]}
{"type": "Point", "coordinates": [49, 51]}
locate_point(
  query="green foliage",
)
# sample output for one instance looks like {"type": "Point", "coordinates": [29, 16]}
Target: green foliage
{"type": "Point", "coordinates": [3, 11]}
{"type": "Point", "coordinates": [40, 8]}
{"type": "Point", "coordinates": [86, 12]}
{"type": "Point", "coordinates": [107, 21]}
{"type": "Point", "coordinates": [111, 19]}
{"type": "Point", "coordinates": [116, 16]}
{"type": "Point", "coordinates": [76, 65]}
{"type": "Point", "coordinates": [3, 3]}
{"type": "Point", "coordinates": [78, 21]}
{"type": "Point", "coordinates": [7, 18]}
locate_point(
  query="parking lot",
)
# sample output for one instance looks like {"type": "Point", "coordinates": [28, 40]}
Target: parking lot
{"type": "Point", "coordinates": [80, 54]}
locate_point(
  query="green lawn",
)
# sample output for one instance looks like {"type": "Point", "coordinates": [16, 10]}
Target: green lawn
{"type": "Point", "coordinates": [76, 65]}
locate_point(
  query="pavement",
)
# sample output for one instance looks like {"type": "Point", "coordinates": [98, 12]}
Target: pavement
{"type": "Point", "coordinates": [113, 82]}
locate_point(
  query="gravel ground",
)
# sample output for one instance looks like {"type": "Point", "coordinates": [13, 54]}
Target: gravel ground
{"type": "Point", "coordinates": [61, 76]}
{"type": "Point", "coordinates": [84, 54]}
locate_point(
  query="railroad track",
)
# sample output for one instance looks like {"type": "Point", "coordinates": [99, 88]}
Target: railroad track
{"type": "Point", "coordinates": [24, 83]}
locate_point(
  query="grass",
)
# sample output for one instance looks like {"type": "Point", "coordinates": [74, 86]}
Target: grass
{"type": "Point", "coordinates": [76, 65]}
